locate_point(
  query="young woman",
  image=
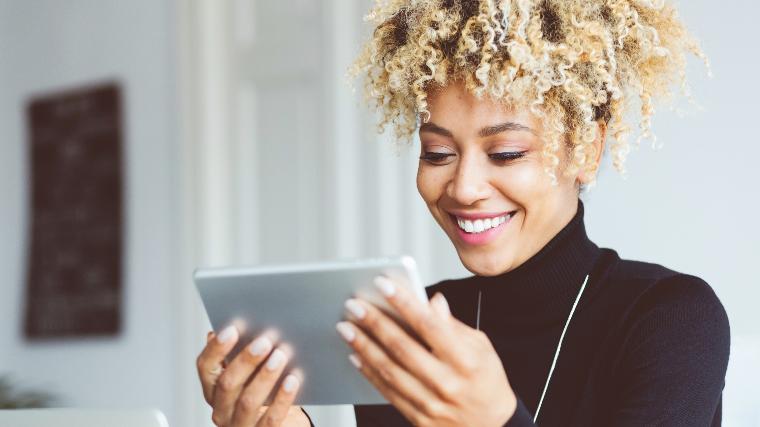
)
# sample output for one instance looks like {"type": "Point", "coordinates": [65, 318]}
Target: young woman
{"type": "Point", "coordinates": [513, 102]}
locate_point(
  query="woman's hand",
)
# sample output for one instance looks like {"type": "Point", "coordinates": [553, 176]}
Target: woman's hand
{"type": "Point", "coordinates": [236, 395]}
{"type": "Point", "coordinates": [457, 380]}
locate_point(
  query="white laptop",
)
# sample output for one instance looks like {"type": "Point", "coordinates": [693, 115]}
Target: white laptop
{"type": "Point", "coordinates": [70, 417]}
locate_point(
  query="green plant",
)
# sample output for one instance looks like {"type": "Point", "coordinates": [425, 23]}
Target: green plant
{"type": "Point", "coordinates": [15, 399]}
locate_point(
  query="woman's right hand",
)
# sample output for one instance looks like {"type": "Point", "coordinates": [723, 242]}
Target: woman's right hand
{"type": "Point", "coordinates": [236, 397]}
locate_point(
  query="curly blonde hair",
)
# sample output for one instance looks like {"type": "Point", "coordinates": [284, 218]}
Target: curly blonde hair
{"type": "Point", "coordinates": [572, 62]}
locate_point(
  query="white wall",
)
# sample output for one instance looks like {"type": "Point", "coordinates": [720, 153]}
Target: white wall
{"type": "Point", "coordinates": [48, 45]}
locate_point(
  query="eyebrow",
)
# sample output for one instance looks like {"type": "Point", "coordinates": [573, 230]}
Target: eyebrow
{"type": "Point", "coordinates": [484, 132]}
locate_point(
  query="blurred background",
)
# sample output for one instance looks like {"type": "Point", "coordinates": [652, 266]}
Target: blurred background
{"type": "Point", "coordinates": [238, 141]}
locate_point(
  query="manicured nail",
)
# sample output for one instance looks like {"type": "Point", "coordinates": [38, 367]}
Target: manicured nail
{"type": "Point", "coordinates": [354, 307]}
{"type": "Point", "coordinates": [290, 384]}
{"type": "Point", "coordinates": [355, 361]}
{"type": "Point", "coordinates": [276, 359]}
{"type": "Point", "coordinates": [440, 305]}
{"type": "Point", "coordinates": [346, 331]}
{"type": "Point", "coordinates": [385, 285]}
{"type": "Point", "coordinates": [260, 346]}
{"type": "Point", "coordinates": [227, 334]}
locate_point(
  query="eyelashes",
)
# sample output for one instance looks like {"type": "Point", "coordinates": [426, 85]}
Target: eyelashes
{"type": "Point", "coordinates": [439, 158]}
{"type": "Point", "coordinates": [433, 157]}
{"type": "Point", "coordinates": [507, 155]}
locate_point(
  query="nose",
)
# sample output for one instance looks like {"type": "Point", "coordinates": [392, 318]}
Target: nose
{"type": "Point", "coordinates": [470, 182]}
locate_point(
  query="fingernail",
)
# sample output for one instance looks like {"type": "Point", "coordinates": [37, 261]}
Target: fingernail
{"type": "Point", "coordinates": [260, 346]}
{"type": "Point", "coordinates": [227, 334]}
{"type": "Point", "coordinates": [346, 331]}
{"type": "Point", "coordinates": [440, 304]}
{"type": "Point", "coordinates": [355, 361]}
{"type": "Point", "coordinates": [354, 307]}
{"type": "Point", "coordinates": [290, 384]}
{"type": "Point", "coordinates": [276, 359]}
{"type": "Point", "coordinates": [385, 286]}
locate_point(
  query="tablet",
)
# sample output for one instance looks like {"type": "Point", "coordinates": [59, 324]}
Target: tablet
{"type": "Point", "coordinates": [302, 303]}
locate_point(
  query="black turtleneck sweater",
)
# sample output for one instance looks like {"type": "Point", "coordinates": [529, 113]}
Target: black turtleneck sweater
{"type": "Point", "coordinates": [646, 345]}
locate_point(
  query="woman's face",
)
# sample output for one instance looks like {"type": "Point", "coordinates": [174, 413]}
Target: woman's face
{"type": "Point", "coordinates": [482, 178]}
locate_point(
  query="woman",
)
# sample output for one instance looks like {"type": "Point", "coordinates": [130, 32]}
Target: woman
{"type": "Point", "coordinates": [513, 102]}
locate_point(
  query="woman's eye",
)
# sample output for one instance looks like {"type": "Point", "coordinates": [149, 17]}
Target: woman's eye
{"type": "Point", "coordinates": [433, 157]}
{"type": "Point", "coordinates": [439, 158]}
{"type": "Point", "coordinates": [507, 155]}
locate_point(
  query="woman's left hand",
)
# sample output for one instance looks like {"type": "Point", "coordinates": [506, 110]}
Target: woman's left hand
{"type": "Point", "coordinates": [457, 380]}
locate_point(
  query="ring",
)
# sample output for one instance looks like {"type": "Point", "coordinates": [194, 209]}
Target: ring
{"type": "Point", "coordinates": [216, 370]}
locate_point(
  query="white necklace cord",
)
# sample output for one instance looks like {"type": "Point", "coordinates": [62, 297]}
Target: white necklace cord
{"type": "Point", "coordinates": [559, 345]}
{"type": "Point", "coordinates": [477, 322]}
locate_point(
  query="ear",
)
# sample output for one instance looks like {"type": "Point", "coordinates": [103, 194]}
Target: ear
{"type": "Point", "coordinates": [599, 143]}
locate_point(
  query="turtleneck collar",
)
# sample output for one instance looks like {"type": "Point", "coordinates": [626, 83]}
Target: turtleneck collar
{"type": "Point", "coordinates": [542, 289]}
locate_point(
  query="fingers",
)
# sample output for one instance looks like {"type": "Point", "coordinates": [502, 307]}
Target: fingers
{"type": "Point", "coordinates": [404, 349]}
{"type": "Point", "coordinates": [231, 382]}
{"type": "Point", "coordinates": [378, 364]}
{"type": "Point", "coordinates": [406, 407]}
{"type": "Point", "coordinates": [254, 395]}
{"type": "Point", "coordinates": [282, 402]}
{"type": "Point", "coordinates": [424, 319]}
{"type": "Point", "coordinates": [210, 362]}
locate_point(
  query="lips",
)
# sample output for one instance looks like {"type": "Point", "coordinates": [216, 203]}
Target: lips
{"type": "Point", "coordinates": [478, 215]}
{"type": "Point", "coordinates": [480, 228]}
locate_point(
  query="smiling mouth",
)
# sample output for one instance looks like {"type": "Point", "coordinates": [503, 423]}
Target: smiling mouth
{"type": "Point", "coordinates": [480, 225]}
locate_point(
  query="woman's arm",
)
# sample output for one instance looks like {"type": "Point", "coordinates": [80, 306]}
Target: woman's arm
{"type": "Point", "coordinates": [673, 370]}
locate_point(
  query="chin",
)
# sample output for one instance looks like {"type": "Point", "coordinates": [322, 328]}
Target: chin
{"type": "Point", "coordinates": [485, 264]}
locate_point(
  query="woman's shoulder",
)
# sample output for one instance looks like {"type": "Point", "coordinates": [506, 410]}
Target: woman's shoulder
{"type": "Point", "coordinates": [655, 286]}
{"type": "Point", "coordinates": [674, 335]}
{"type": "Point", "coordinates": [662, 305]}
{"type": "Point", "coordinates": [668, 341]}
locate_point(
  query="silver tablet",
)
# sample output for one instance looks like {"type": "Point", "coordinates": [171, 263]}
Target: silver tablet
{"type": "Point", "coordinates": [302, 303]}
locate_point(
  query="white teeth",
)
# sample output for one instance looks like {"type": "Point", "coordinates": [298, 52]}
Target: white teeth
{"type": "Point", "coordinates": [480, 225]}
